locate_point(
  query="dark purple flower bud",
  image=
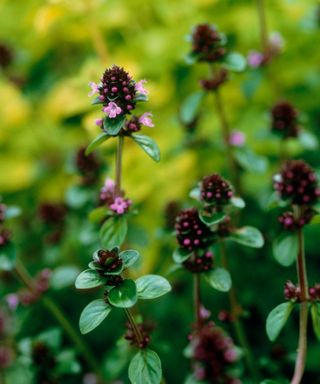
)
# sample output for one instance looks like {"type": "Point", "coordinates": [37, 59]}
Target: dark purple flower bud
{"type": "Point", "coordinates": [285, 120]}
{"type": "Point", "coordinates": [191, 232]}
{"type": "Point", "coordinates": [298, 183]}
{"type": "Point", "coordinates": [207, 43]}
{"type": "Point", "coordinates": [215, 190]}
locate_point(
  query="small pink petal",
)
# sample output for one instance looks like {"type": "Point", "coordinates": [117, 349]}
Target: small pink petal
{"type": "Point", "coordinates": [146, 120]}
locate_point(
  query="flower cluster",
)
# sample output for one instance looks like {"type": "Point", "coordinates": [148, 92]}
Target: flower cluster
{"type": "Point", "coordinates": [117, 204]}
{"type": "Point", "coordinates": [198, 263]}
{"type": "Point", "coordinates": [207, 43]}
{"type": "Point", "coordinates": [215, 190]}
{"type": "Point", "coordinates": [144, 331]}
{"type": "Point", "coordinates": [214, 352]}
{"type": "Point", "coordinates": [285, 120]}
{"type": "Point", "coordinates": [292, 291]}
{"type": "Point", "coordinates": [88, 166]}
{"type": "Point", "coordinates": [290, 223]}
{"type": "Point", "coordinates": [105, 261]}
{"type": "Point", "coordinates": [192, 234]}
{"type": "Point", "coordinates": [297, 182]}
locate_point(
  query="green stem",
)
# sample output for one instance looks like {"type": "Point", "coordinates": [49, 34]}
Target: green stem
{"type": "Point", "coordinates": [236, 312]}
{"type": "Point", "coordinates": [24, 276]}
{"type": "Point", "coordinates": [134, 326]}
{"type": "Point", "coordinates": [197, 300]}
{"type": "Point", "coordinates": [303, 283]}
{"type": "Point", "coordinates": [119, 165]}
{"type": "Point", "coordinates": [262, 25]}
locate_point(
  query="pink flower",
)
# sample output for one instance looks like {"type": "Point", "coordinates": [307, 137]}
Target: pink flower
{"type": "Point", "coordinates": [255, 59]}
{"type": "Point", "coordinates": [146, 120]}
{"type": "Point", "coordinates": [94, 88]}
{"type": "Point", "coordinates": [237, 138]}
{"type": "Point", "coordinates": [120, 205]}
{"type": "Point", "coordinates": [112, 110]}
{"type": "Point", "coordinates": [140, 87]}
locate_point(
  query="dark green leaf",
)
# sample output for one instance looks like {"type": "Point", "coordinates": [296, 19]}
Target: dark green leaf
{"type": "Point", "coordinates": [113, 232]}
{"type": "Point", "coordinates": [112, 126]}
{"type": "Point", "coordinates": [145, 368]}
{"type": "Point", "coordinates": [124, 295]}
{"type": "Point", "coordinates": [219, 279]}
{"type": "Point", "coordinates": [180, 255]}
{"type": "Point", "coordinates": [285, 248]}
{"type": "Point", "coordinates": [315, 314]}
{"type": "Point", "coordinates": [191, 106]}
{"type": "Point", "coordinates": [93, 315]}
{"type": "Point", "coordinates": [7, 257]}
{"type": "Point", "coordinates": [148, 145]}
{"type": "Point", "coordinates": [63, 276]}
{"type": "Point", "coordinates": [96, 142]}
{"type": "Point", "coordinates": [248, 236]}
{"type": "Point", "coordinates": [88, 279]}
{"type": "Point", "coordinates": [277, 319]}
{"type": "Point", "coordinates": [211, 218]}
{"type": "Point", "coordinates": [129, 257]}
{"type": "Point", "coordinates": [152, 286]}
{"type": "Point", "coordinates": [235, 62]}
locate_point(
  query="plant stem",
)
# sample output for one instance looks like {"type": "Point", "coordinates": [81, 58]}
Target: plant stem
{"type": "Point", "coordinates": [225, 129]}
{"type": "Point", "coordinates": [197, 300]}
{"type": "Point", "coordinates": [262, 25]}
{"type": "Point", "coordinates": [134, 326]}
{"type": "Point", "coordinates": [236, 312]}
{"type": "Point", "coordinates": [119, 165]}
{"type": "Point", "coordinates": [24, 276]}
{"type": "Point", "coordinates": [303, 283]}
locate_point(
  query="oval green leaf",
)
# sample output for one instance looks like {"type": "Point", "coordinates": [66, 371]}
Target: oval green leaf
{"type": "Point", "coordinates": [219, 279]}
{"type": "Point", "coordinates": [277, 319]}
{"type": "Point", "coordinates": [248, 236]}
{"type": "Point", "coordinates": [285, 248]}
{"type": "Point", "coordinates": [129, 257]}
{"type": "Point", "coordinates": [93, 315]}
{"type": "Point", "coordinates": [125, 295]}
{"type": "Point", "coordinates": [88, 279]}
{"type": "Point", "coordinates": [152, 286]}
{"type": "Point", "coordinates": [145, 368]}
{"type": "Point", "coordinates": [148, 145]}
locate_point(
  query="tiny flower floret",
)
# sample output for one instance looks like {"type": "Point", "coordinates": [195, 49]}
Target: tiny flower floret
{"type": "Point", "coordinates": [146, 120]}
{"type": "Point", "coordinates": [140, 87]}
{"type": "Point", "coordinates": [112, 110]}
{"type": "Point", "coordinates": [120, 205]}
{"type": "Point", "coordinates": [94, 88]}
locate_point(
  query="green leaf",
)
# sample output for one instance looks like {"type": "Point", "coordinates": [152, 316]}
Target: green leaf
{"type": "Point", "coordinates": [219, 279]}
{"type": "Point", "coordinates": [64, 276]}
{"type": "Point", "coordinates": [148, 145]}
{"type": "Point", "coordinates": [124, 295]}
{"type": "Point", "coordinates": [152, 286]}
{"type": "Point", "coordinates": [96, 142]}
{"type": "Point", "coordinates": [315, 314]}
{"type": "Point", "coordinates": [7, 257]}
{"type": "Point", "coordinates": [93, 315]}
{"type": "Point", "coordinates": [180, 255]}
{"type": "Point", "coordinates": [112, 126]}
{"type": "Point", "coordinates": [285, 248]}
{"type": "Point", "coordinates": [191, 106]}
{"type": "Point", "coordinates": [237, 202]}
{"type": "Point", "coordinates": [145, 368]}
{"type": "Point", "coordinates": [88, 279]}
{"type": "Point", "coordinates": [129, 257]}
{"type": "Point", "coordinates": [235, 62]}
{"type": "Point", "coordinates": [113, 232]}
{"type": "Point", "coordinates": [248, 236]}
{"type": "Point", "coordinates": [250, 161]}
{"type": "Point", "coordinates": [211, 219]}
{"type": "Point", "coordinates": [277, 319]}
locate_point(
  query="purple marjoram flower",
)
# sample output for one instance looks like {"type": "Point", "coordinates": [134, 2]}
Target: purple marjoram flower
{"type": "Point", "coordinates": [12, 300]}
{"type": "Point", "coordinates": [120, 205]}
{"type": "Point", "coordinates": [112, 110]}
{"type": "Point", "coordinates": [237, 138]}
{"type": "Point", "coordinates": [255, 59]}
{"type": "Point", "coordinates": [146, 120]}
{"type": "Point", "coordinates": [139, 87]}
{"type": "Point", "coordinates": [94, 88]}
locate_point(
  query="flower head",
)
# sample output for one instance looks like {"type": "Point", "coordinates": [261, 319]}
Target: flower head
{"type": "Point", "coordinates": [112, 110]}
{"type": "Point", "coordinates": [146, 120]}
{"type": "Point", "coordinates": [215, 190]}
{"type": "Point", "coordinates": [284, 119]}
{"type": "Point", "coordinates": [297, 182]}
{"type": "Point", "coordinates": [139, 87]}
